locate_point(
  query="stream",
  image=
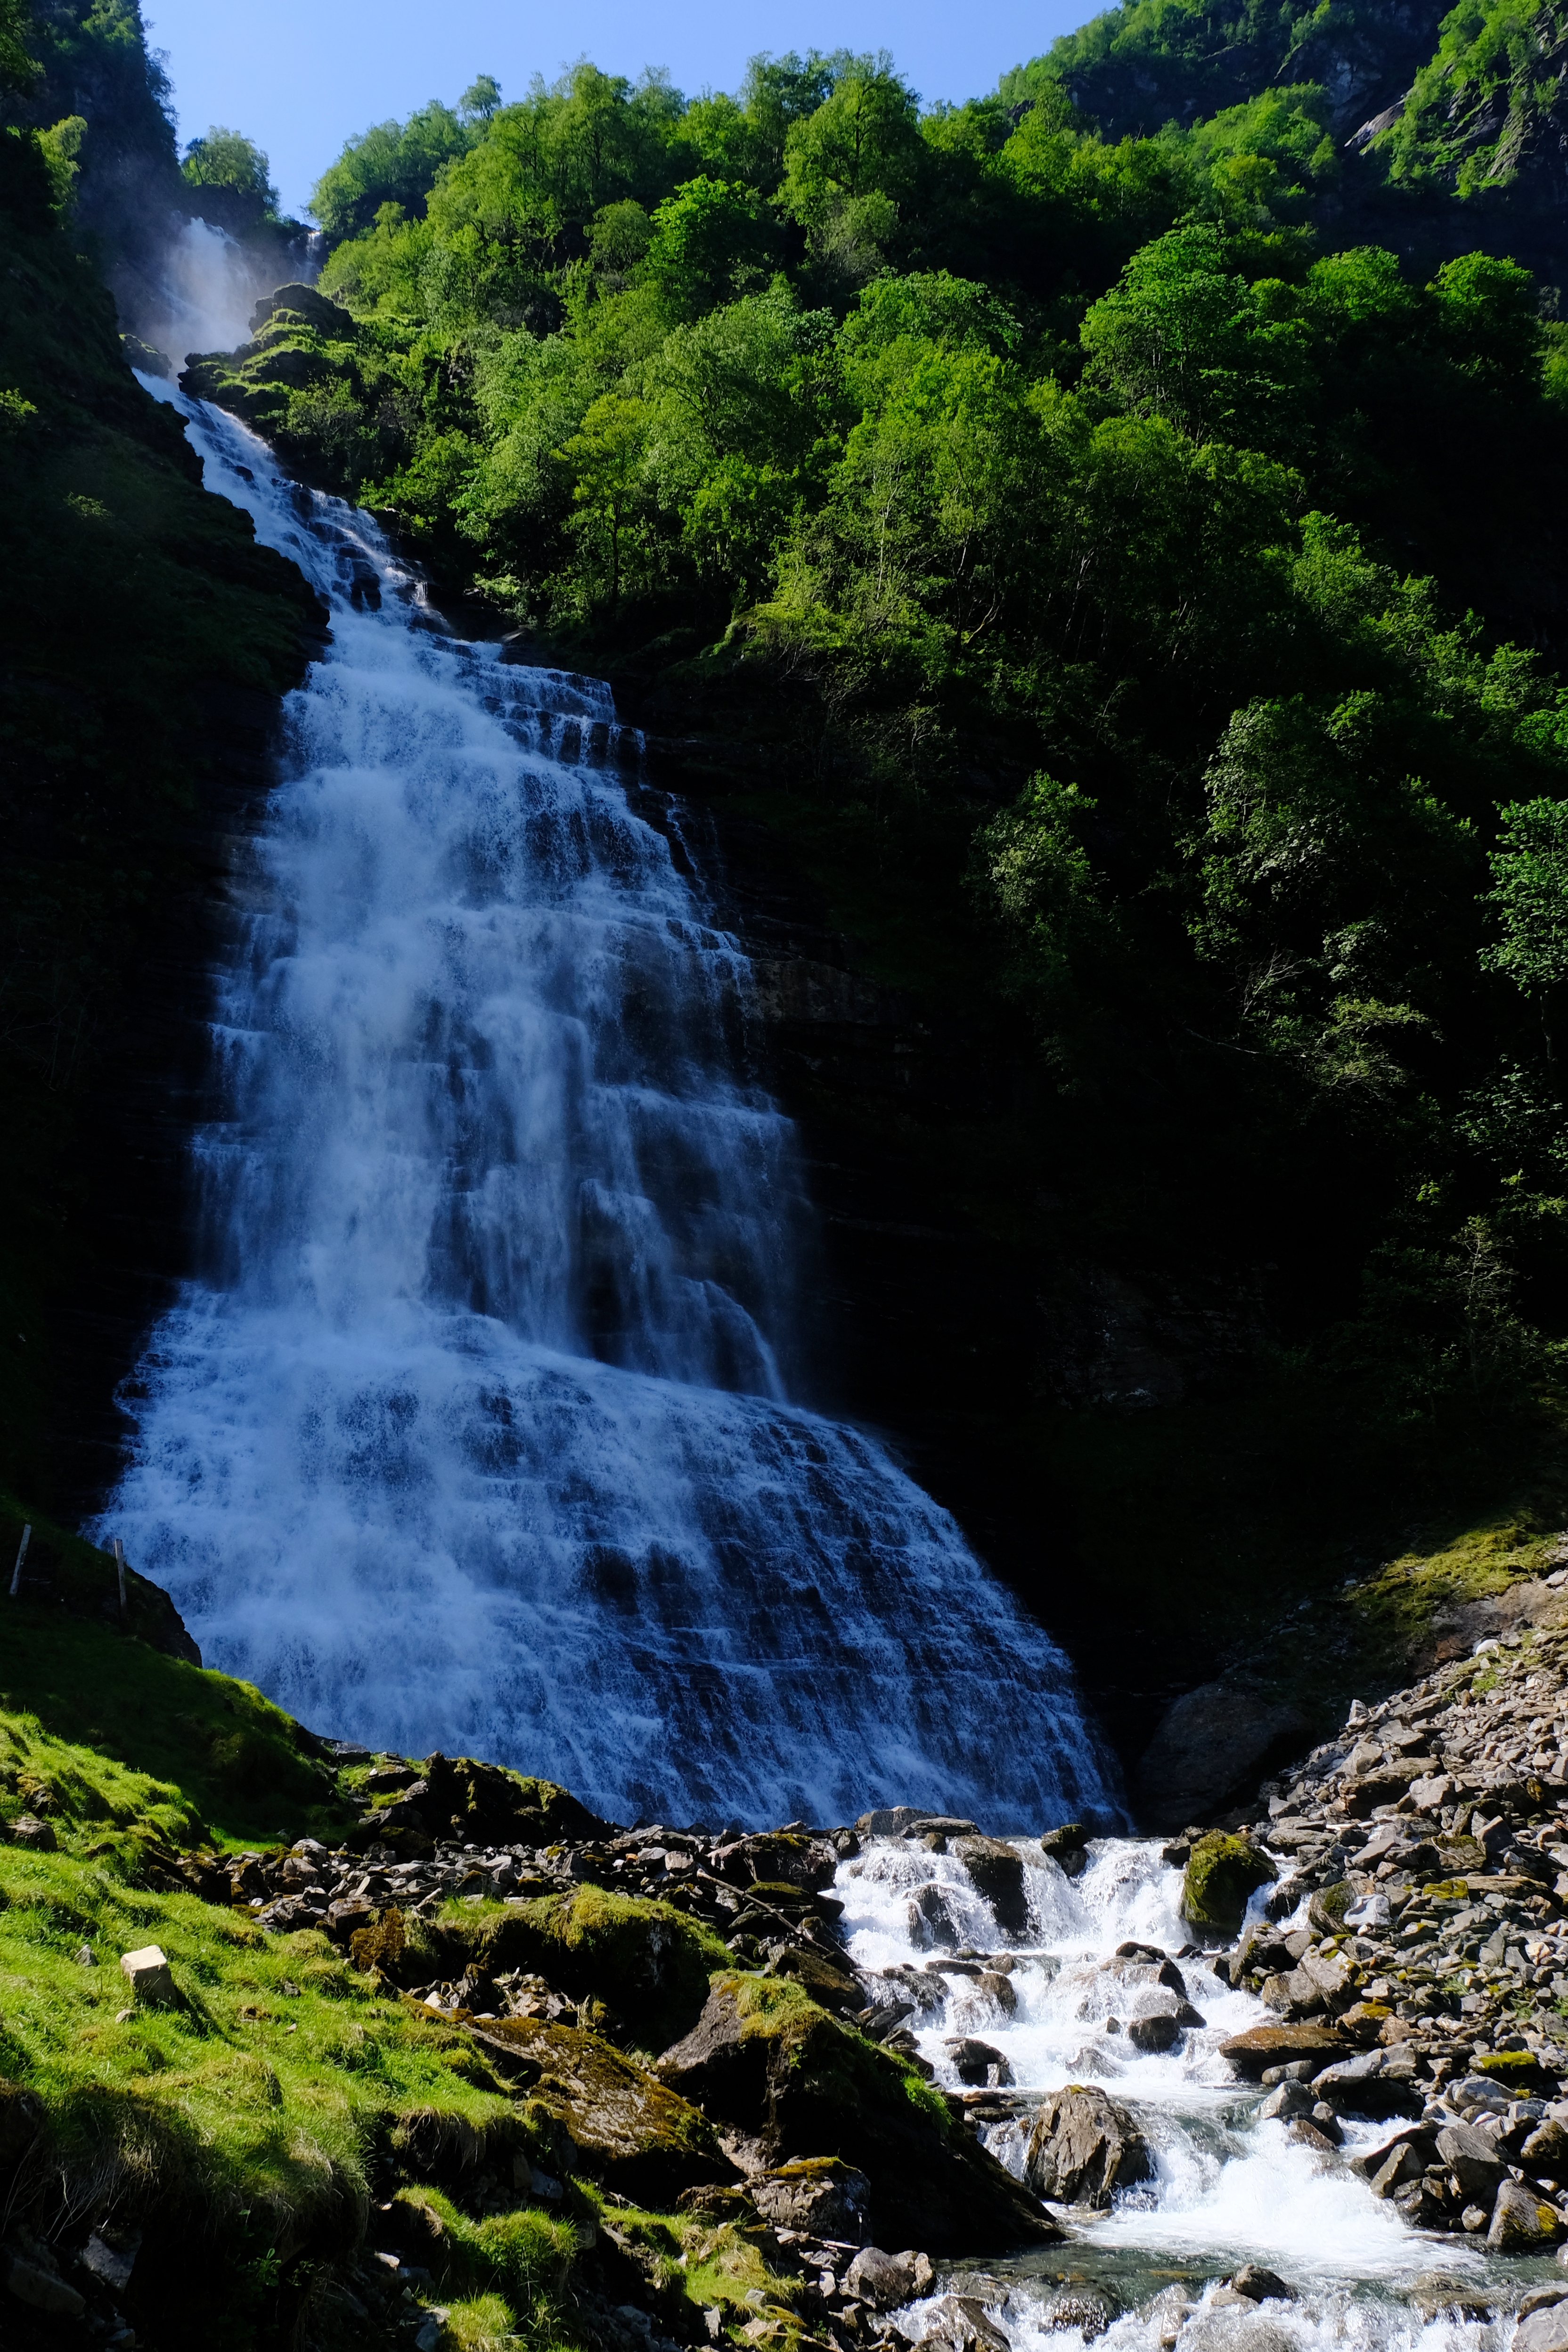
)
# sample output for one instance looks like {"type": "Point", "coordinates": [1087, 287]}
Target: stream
{"type": "Point", "coordinates": [1229, 2185]}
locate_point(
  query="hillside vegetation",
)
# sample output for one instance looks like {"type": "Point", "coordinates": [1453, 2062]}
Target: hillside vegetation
{"type": "Point", "coordinates": [1072, 535]}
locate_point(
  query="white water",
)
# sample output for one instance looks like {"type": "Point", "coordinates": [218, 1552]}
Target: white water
{"type": "Point", "coordinates": [1230, 2187]}
{"type": "Point", "coordinates": [208, 285]}
{"type": "Point", "coordinates": [477, 1433]}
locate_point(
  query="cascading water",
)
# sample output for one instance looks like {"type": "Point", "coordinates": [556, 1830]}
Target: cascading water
{"type": "Point", "coordinates": [1229, 2187]}
{"type": "Point", "coordinates": [475, 1434]}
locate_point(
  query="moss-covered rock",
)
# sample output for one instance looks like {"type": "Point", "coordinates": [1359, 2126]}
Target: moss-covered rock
{"type": "Point", "coordinates": [625, 2127]}
{"type": "Point", "coordinates": [1222, 1872]}
{"type": "Point", "coordinates": [463, 1798]}
{"type": "Point", "coordinates": [1326, 1911]}
{"type": "Point", "coordinates": [647, 1963]}
{"type": "Point", "coordinates": [1520, 2070]}
{"type": "Point", "coordinates": [767, 2058]}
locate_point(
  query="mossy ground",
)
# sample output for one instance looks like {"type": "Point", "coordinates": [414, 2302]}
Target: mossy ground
{"type": "Point", "coordinates": [261, 2115]}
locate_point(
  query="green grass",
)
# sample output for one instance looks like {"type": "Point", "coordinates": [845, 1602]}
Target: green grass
{"type": "Point", "coordinates": [175, 1750]}
{"type": "Point", "coordinates": [254, 2116]}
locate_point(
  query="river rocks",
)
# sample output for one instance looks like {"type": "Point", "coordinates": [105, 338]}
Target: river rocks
{"type": "Point", "coordinates": [1157, 2032]}
{"type": "Point", "coordinates": [884, 2281]}
{"type": "Point", "coordinates": [1210, 1746]}
{"type": "Point", "coordinates": [1523, 2222]}
{"type": "Point", "coordinates": [931, 1923]}
{"type": "Point", "coordinates": [976, 2063]}
{"type": "Point", "coordinates": [959, 2324]}
{"type": "Point", "coordinates": [1261, 2047]}
{"type": "Point", "coordinates": [1067, 1847]}
{"type": "Point", "coordinates": [1084, 2146]}
{"type": "Point", "coordinates": [1473, 2159]}
{"type": "Point", "coordinates": [1222, 1872]}
{"type": "Point", "coordinates": [1260, 2285]}
{"type": "Point", "coordinates": [997, 1870]}
{"type": "Point", "coordinates": [768, 2061]}
{"type": "Point", "coordinates": [647, 1963]}
{"type": "Point", "coordinates": [1544, 2329]}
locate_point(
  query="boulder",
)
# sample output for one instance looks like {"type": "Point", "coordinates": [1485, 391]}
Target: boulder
{"type": "Point", "coordinates": [1545, 2329]}
{"type": "Point", "coordinates": [31, 2282]}
{"type": "Point", "coordinates": [148, 1971]}
{"type": "Point", "coordinates": [1327, 1907]}
{"type": "Point", "coordinates": [1085, 2146]}
{"type": "Point", "coordinates": [1366, 2085]}
{"type": "Point", "coordinates": [1522, 2223]}
{"type": "Point", "coordinates": [884, 2281]}
{"type": "Point", "coordinates": [959, 2324]}
{"type": "Point", "coordinates": [1473, 2159]}
{"type": "Point", "coordinates": [1159, 2032]}
{"type": "Point", "coordinates": [1292, 1993]}
{"type": "Point", "coordinates": [931, 1923]}
{"type": "Point", "coordinates": [1263, 2046]}
{"type": "Point", "coordinates": [28, 1830]}
{"type": "Point", "coordinates": [645, 1961]}
{"type": "Point", "coordinates": [766, 2059]}
{"type": "Point", "coordinates": [818, 2194]}
{"type": "Point", "coordinates": [626, 2128]}
{"type": "Point", "coordinates": [110, 2255]}
{"type": "Point", "coordinates": [976, 2063]}
{"type": "Point", "coordinates": [1213, 1744]}
{"type": "Point", "coordinates": [485, 1803]}
{"type": "Point", "coordinates": [304, 302]}
{"type": "Point", "coordinates": [1419, 2140]}
{"type": "Point", "coordinates": [1067, 1847]}
{"type": "Point", "coordinates": [997, 1870]}
{"type": "Point", "coordinates": [1260, 2285]}
{"type": "Point", "coordinates": [1221, 1873]}
{"type": "Point", "coordinates": [834, 1985]}
{"type": "Point", "coordinates": [1546, 2151]}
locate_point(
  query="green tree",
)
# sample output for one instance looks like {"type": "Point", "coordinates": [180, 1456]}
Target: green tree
{"type": "Point", "coordinates": [610, 488]}
{"type": "Point", "coordinates": [227, 162]}
{"type": "Point", "coordinates": [480, 99]}
{"type": "Point", "coordinates": [712, 241]}
{"type": "Point", "coordinates": [392, 163]}
{"type": "Point", "coordinates": [1529, 873]}
{"type": "Point", "coordinates": [18, 68]}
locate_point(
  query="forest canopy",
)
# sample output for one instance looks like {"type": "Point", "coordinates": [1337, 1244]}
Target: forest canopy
{"type": "Point", "coordinates": [1118, 534]}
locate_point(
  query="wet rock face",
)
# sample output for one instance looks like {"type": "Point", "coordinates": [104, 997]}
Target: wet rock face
{"type": "Point", "coordinates": [1085, 2146]}
{"type": "Point", "coordinates": [997, 1870]}
{"type": "Point", "coordinates": [1209, 1748]}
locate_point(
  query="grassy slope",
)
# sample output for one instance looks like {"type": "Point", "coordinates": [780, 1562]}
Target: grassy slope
{"type": "Point", "coordinates": [255, 2121]}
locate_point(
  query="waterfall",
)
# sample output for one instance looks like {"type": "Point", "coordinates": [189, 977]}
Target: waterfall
{"type": "Point", "coordinates": [475, 1431]}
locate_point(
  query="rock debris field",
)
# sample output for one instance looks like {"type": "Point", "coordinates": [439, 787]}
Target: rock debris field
{"type": "Point", "coordinates": [679, 2010]}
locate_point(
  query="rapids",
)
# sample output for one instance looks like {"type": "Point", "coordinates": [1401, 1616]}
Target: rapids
{"type": "Point", "coordinates": [479, 1428]}
{"type": "Point", "coordinates": [1229, 2189]}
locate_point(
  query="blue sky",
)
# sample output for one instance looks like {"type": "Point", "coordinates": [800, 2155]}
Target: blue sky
{"type": "Point", "coordinates": [301, 76]}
